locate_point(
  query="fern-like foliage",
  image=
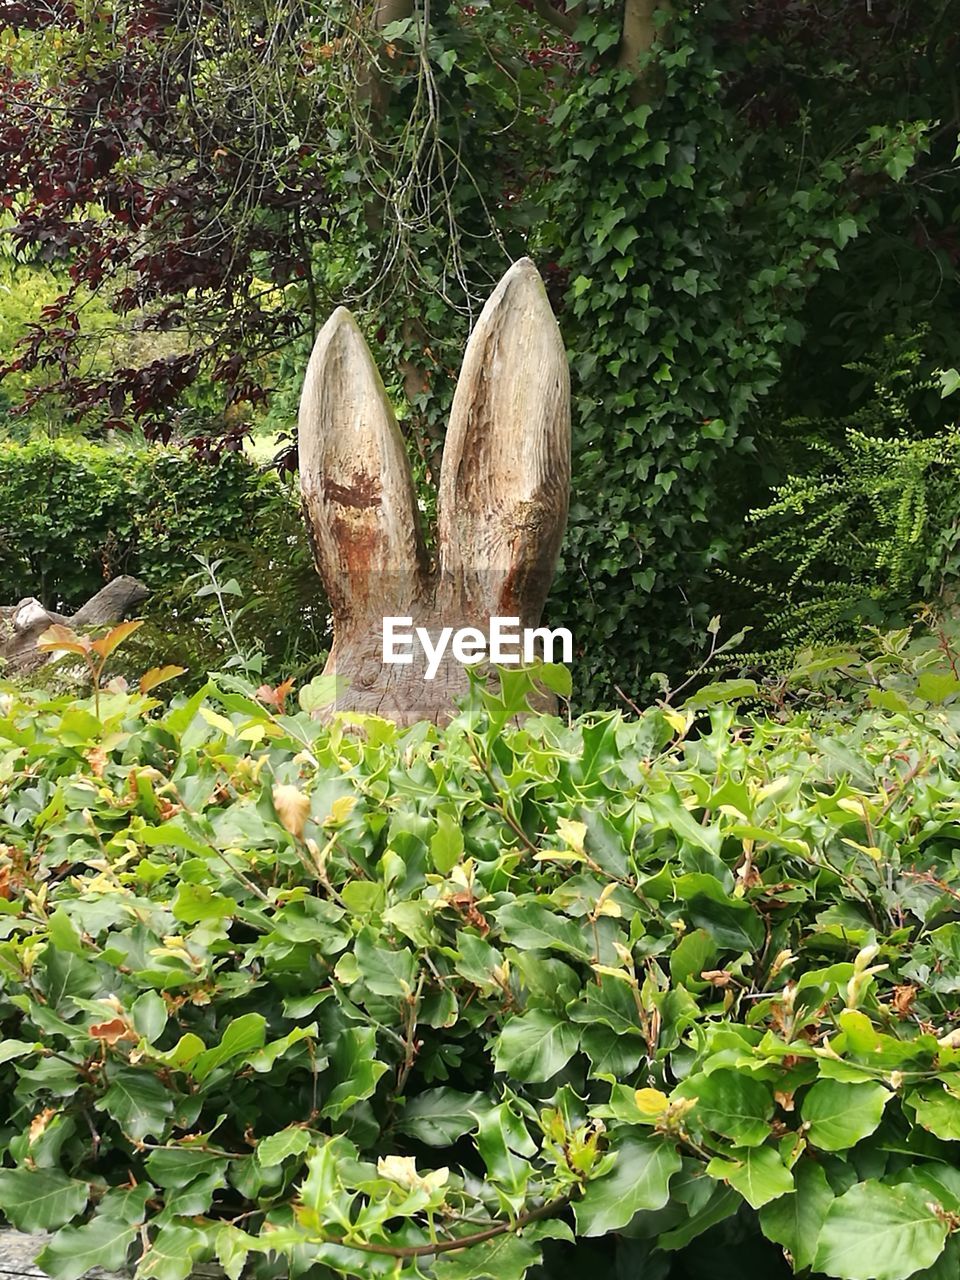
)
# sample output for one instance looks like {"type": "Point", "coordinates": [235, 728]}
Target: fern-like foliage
{"type": "Point", "coordinates": [867, 523]}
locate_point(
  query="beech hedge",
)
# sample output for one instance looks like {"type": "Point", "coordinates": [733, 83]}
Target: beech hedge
{"type": "Point", "coordinates": [636, 994]}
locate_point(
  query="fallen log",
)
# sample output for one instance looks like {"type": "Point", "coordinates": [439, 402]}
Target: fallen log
{"type": "Point", "coordinates": [22, 624]}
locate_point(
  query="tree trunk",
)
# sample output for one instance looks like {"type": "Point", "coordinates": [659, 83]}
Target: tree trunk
{"type": "Point", "coordinates": [503, 497]}
{"type": "Point", "coordinates": [22, 624]}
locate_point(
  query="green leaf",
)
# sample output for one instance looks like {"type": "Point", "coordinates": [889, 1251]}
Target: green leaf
{"type": "Point", "coordinates": [386, 972]}
{"type": "Point", "coordinates": [64, 934]}
{"type": "Point", "coordinates": [669, 812]}
{"type": "Point", "coordinates": [508, 1257]}
{"type": "Point", "coordinates": [757, 1173]}
{"type": "Point", "coordinates": [937, 686]}
{"type": "Point", "coordinates": [611, 1004]}
{"type": "Point", "coordinates": [640, 1179]}
{"type": "Point", "coordinates": [837, 1116]}
{"type": "Point", "coordinates": [609, 1053]}
{"type": "Point", "coordinates": [535, 1046]}
{"type": "Point", "coordinates": [729, 921]}
{"type": "Point", "coordinates": [938, 1111]}
{"type": "Point", "coordinates": [73, 1251]}
{"type": "Point", "coordinates": [355, 1070]}
{"type": "Point", "coordinates": [322, 691]}
{"type": "Point", "coordinates": [149, 1015]}
{"type": "Point", "coordinates": [172, 1254]}
{"type": "Point", "coordinates": [138, 1101]}
{"type": "Point", "coordinates": [233, 1248]}
{"type": "Point", "coordinates": [875, 1232]}
{"type": "Point", "coordinates": [292, 1141]}
{"type": "Point", "coordinates": [438, 1117]}
{"type": "Point", "coordinates": [731, 1104]}
{"type": "Point", "coordinates": [12, 1049]}
{"type": "Point", "coordinates": [795, 1221]}
{"type": "Point", "coordinates": [242, 1036]}
{"type": "Point", "coordinates": [446, 844]}
{"type": "Point", "coordinates": [531, 926]}
{"type": "Point", "coordinates": [178, 1166]}
{"type": "Point", "coordinates": [722, 1204]}
{"type": "Point", "coordinates": [40, 1199]}
{"type": "Point", "coordinates": [505, 1147]}
{"type": "Point", "coordinates": [694, 952]}
{"type": "Point", "coordinates": [198, 904]}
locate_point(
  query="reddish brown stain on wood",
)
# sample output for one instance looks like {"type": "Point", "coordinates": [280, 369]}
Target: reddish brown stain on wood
{"type": "Point", "coordinates": [362, 492]}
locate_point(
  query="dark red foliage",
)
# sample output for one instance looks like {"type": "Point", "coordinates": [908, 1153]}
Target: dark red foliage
{"type": "Point", "coordinates": [119, 169]}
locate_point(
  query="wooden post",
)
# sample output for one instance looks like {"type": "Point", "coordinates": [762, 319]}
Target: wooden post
{"type": "Point", "coordinates": [503, 497]}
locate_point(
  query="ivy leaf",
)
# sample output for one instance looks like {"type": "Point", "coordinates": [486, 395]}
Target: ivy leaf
{"type": "Point", "coordinates": [40, 1199]}
{"type": "Point", "coordinates": [838, 1115]}
{"type": "Point", "coordinates": [640, 1179]}
{"type": "Point", "coordinates": [536, 1046]}
{"type": "Point", "coordinates": [875, 1232]}
{"type": "Point", "coordinates": [757, 1173]}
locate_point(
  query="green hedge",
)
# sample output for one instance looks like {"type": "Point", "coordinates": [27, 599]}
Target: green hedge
{"type": "Point", "coordinates": [670, 997]}
{"type": "Point", "coordinates": [73, 514]}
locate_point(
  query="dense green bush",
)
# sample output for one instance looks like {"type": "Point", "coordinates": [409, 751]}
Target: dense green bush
{"type": "Point", "coordinates": [74, 514]}
{"type": "Point", "coordinates": [668, 997]}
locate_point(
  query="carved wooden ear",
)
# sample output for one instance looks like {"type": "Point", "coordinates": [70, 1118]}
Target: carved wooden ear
{"type": "Point", "coordinates": [355, 479]}
{"type": "Point", "coordinates": [505, 476]}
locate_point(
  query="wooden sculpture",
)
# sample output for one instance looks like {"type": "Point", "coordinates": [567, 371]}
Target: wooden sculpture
{"type": "Point", "coordinates": [503, 497]}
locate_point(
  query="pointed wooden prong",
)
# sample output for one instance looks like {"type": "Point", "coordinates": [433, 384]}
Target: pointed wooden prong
{"type": "Point", "coordinates": [505, 475]}
{"type": "Point", "coordinates": [355, 479]}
